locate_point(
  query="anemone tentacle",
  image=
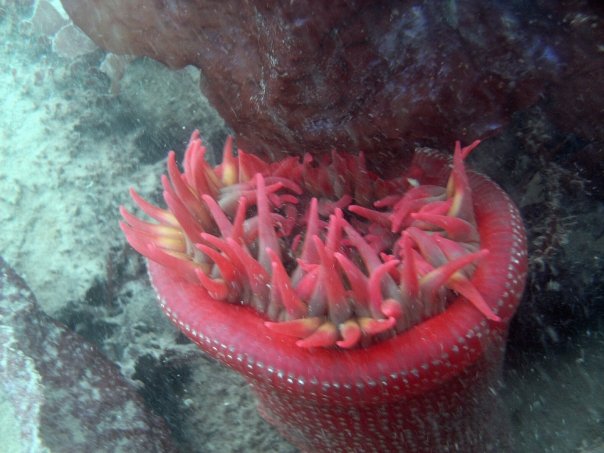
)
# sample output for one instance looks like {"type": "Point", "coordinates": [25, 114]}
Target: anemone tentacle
{"type": "Point", "coordinates": [304, 242]}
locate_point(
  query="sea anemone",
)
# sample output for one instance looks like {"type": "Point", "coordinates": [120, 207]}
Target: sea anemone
{"type": "Point", "coordinates": [364, 311]}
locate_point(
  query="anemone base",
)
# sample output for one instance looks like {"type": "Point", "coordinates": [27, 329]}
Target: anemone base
{"type": "Point", "coordinates": [464, 414]}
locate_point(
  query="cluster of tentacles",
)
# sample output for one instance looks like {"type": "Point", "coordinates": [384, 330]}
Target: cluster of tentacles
{"type": "Point", "coordinates": [328, 251]}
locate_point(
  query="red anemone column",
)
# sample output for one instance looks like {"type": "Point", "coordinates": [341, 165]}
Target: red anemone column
{"type": "Point", "coordinates": [439, 254]}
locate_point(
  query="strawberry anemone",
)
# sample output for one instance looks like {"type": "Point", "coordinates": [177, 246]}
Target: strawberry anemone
{"type": "Point", "coordinates": [368, 314]}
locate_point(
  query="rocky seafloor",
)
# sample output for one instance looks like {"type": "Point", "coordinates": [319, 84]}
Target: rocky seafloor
{"type": "Point", "coordinates": [89, 362]}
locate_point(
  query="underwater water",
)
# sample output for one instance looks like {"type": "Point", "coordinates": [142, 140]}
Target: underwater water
{"type": "Point", "coordinates": [77, 133]}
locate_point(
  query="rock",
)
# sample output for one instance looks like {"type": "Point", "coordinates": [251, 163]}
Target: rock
{"type": "Point", "coordinates": [373, 76]}
{"type": "Point", "coordinates": [64, 395]}
{"type": "Point", "coordinates": [70, 42]}
{"type": "Point", "coordinates": [46, 20]}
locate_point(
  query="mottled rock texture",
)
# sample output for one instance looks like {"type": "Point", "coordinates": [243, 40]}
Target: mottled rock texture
{"type": "Point", "coordinates": [368, 75]}
{"type": "Point", "coordinates": [65, 395]}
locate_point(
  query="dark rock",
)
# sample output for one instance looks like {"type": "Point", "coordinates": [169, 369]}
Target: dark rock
{"type": "Point", "coordinates": [65, 395]}
{"type": "Point", "coordinates": [366, 75]}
